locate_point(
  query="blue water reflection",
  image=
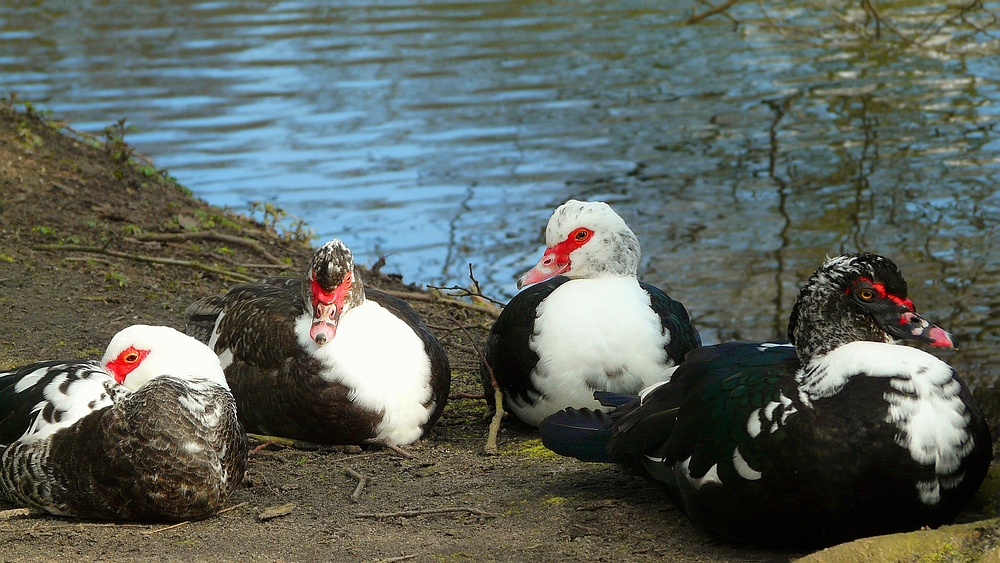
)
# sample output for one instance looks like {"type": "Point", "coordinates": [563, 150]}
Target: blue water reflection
{"type": "Point", "coordinates": [443, 134]}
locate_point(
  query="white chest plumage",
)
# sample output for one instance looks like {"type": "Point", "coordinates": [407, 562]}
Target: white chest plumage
{"type": "Point", "coordinates": [383, 362]}
{"type": "Point", "coordinates": [594, 334]}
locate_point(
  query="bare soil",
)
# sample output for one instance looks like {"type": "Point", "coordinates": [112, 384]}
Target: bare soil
{"type": "Point", "coordinates": [74, 214]}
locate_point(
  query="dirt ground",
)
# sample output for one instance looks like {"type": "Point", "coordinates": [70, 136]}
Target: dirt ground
{"type": "Point", "coordinates": [76, 223]}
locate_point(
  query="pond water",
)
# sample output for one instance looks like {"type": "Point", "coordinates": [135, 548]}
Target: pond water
{"type": "Point", "coordinates": [443, 134]}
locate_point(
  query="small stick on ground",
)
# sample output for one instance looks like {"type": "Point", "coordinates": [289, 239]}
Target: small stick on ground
{"type": "Point", "coordinates": [425, 512]}
{"type": "Point", "coordinates": [362, 481]}
{"type": "Point", "coordinates": [389, 445]}
{"type": "Point", "coordinates": [164, 529]}
{"type": "Point", "coordinates": [463, 395]}
{"type": "Point", "coordinates": [395, 559]}
{"type": "Point", "coordinates": [186, 522]}
{"type": "Point", "coordinates": [491, 439]}
{"type": "Point", "coordinates": [256, 449]}
{"type": "Point", "coordinates": [436, 298]}
{"type": "Point", "coordinates": [231, 508]}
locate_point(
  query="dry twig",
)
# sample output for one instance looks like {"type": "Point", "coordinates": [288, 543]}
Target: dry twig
{"type": "Point", "coordinates": [140, 258]}
{"type": "Point", "coordinates": [491, 439]}
{"type": "Point", "coordinates": [362, 481]}
{"type": "Point", "coordinates": [273, 512]}
{"type": "Point", "coordinates": [186, 522]}
{"type": "Point", "coordinates": [389, 445]}
{"type": "Point", "coordinates": [396, 559]}
{"type": "Point", "coordinates": [425, 512]}
{"type": "Point", "coordinates": [437, 298]}
{"type": "Point", "coordinates": [212, 235]}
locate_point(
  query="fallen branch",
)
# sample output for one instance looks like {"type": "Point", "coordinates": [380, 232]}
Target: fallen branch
{"type": "Point", "coordinates": [362, 481]}
{"type": "Point", "coordinates": [212, 235]}
{"type": "Point", "coordinates": [140, 258]}
{"type": "Point", "coordinates": [425, 512]}
{"type": "Point", "coordinates": [491, 438]}
{"type": "Point", "coordinates": [437, 298]}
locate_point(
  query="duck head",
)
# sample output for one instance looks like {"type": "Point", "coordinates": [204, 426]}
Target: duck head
{"type": "Point", "coordinates": [330, 288]}
{"type": "Point", "coordinates": [141, 352]}
{"type": "Point", "coordinates": [585, 240]}
{"type": "Point", "coordinates": [857, 297]}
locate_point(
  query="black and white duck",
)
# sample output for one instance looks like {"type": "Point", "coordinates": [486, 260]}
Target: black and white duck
{"type": "Point", "coordinates": [323, 359]}
{"type": "Point", "coordinates": [839, 434]}
{"type": "Point", "coordinates": [586, 323]}
{"type": "Point", "coordinates": [149, 433]}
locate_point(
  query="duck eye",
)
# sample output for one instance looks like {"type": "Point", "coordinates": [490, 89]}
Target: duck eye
{"type": "Point", "coordinates": [582, 234]}
{"type": "Point", "coordinates": [866, 294]}
{"type": "Point", "coordinates": [132, 358]}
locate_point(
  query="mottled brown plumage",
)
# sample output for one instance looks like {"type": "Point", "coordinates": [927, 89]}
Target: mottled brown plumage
{"type": "Point", "coordinates": [82, 444]}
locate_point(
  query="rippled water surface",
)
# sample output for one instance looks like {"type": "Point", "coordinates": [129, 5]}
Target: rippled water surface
{"type": "Point", "coordinates": [444, 133]}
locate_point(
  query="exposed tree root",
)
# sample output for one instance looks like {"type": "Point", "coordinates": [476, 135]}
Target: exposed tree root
{"type": "Point", "coordinates": [140, 258]}
{"type": "Point", "coordinates": [211, 235]}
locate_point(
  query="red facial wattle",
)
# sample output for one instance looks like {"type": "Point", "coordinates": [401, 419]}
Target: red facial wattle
{"type": "Point", "coordinates": [556, 259]}
{"type": "Point", "coordinates": [327, 308]}
{"type": "Point", "coordinates": [126, 362]}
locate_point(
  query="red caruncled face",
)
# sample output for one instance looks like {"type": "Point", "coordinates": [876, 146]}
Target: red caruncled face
{"type": "Point", "coordinates": [556, 259]}
{"type": "Point", "coordinates": [327, 308]}
{"type": "Point", "coordinates": [126, 362]}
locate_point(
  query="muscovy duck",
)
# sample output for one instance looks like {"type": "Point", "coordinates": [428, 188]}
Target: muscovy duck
{"type": "Point", "coordinates": [586, 324]}
{"type": "Point", "coordinates": [148, 434]}
{"type": "Point", "coordinates": [837, 435]}
{"type": "Point", "coordinates": [323, 359]}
